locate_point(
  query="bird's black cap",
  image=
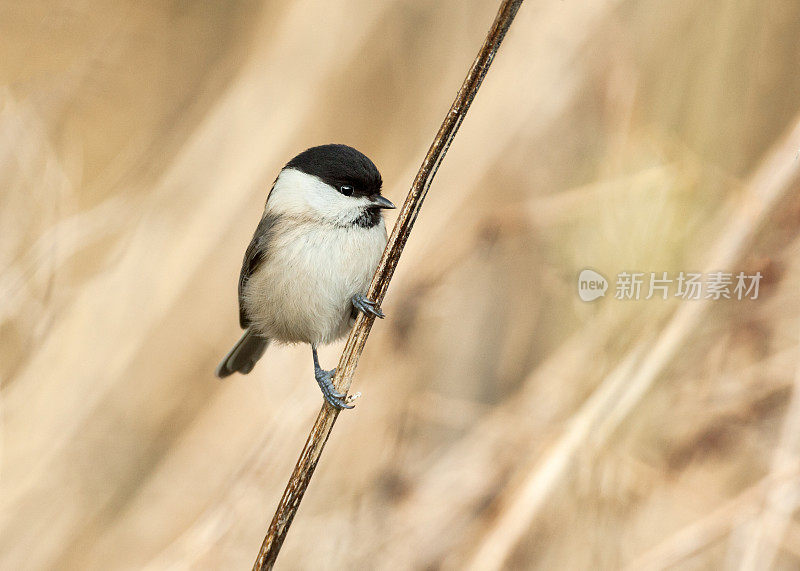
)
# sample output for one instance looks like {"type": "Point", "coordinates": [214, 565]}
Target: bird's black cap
{"type": "Point", "coordinates": [339, 165]}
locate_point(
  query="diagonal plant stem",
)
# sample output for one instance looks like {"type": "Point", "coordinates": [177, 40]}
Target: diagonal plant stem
{"type": "Point", "coordinates": [309, 457]}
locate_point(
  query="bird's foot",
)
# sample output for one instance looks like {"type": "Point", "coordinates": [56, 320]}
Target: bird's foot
{"type": "Point", "coordinates": [366, 306]}
{"type": "Point", "coordinates": [334, 397]}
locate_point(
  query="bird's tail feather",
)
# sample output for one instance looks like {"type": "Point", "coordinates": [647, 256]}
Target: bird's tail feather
{"type": "Point", "coordinates": [242, 358]}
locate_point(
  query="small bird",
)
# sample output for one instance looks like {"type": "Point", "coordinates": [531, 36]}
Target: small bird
{"type": "Point", "coordinates": [311, 260]}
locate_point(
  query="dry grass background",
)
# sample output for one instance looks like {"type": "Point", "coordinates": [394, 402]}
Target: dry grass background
{"type": "Point", "coordinates": [504, 423]}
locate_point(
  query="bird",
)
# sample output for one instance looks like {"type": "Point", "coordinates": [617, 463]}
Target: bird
{"type": "Point", "coordinates": [307, 269]}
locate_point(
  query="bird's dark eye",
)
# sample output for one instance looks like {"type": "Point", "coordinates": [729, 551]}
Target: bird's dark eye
{"type": "Point", "coordinates": [346, 189]}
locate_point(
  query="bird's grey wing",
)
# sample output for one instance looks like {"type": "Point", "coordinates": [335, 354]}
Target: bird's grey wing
{"type": "Point", "coordinates": [253, 257]}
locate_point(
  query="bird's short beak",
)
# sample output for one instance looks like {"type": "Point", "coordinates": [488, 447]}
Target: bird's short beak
{"type": "Point", "coordinates": [381, 202]}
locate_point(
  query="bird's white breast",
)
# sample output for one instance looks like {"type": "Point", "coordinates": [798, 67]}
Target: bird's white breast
{"type": "Point", "coordinates": [302, 291]}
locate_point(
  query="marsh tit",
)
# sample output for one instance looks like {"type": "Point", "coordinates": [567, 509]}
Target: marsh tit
{"type": "Point", "coordinates": [311, 259]}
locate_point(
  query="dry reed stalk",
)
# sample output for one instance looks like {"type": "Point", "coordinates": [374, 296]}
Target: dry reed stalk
{"type": "Point", "coordinates": [614, 400]}
{"type": "Point", "coordinates": [309, 457]}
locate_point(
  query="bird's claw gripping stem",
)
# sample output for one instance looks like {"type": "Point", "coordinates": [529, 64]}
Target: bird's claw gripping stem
{"type": "Point", "coordinates": [366, 306]}
{"type": "Point", "coordinates": [334, 397]}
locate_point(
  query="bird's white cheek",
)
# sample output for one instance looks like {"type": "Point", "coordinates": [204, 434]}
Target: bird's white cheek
{"type": "Point", "coordinates": [298, 194]}
{"type": "Point", "coordinates": [335, 207]}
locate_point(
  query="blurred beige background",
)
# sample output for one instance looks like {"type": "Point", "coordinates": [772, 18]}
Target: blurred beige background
{"type": "Point", "coordinates": [504, 422]}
